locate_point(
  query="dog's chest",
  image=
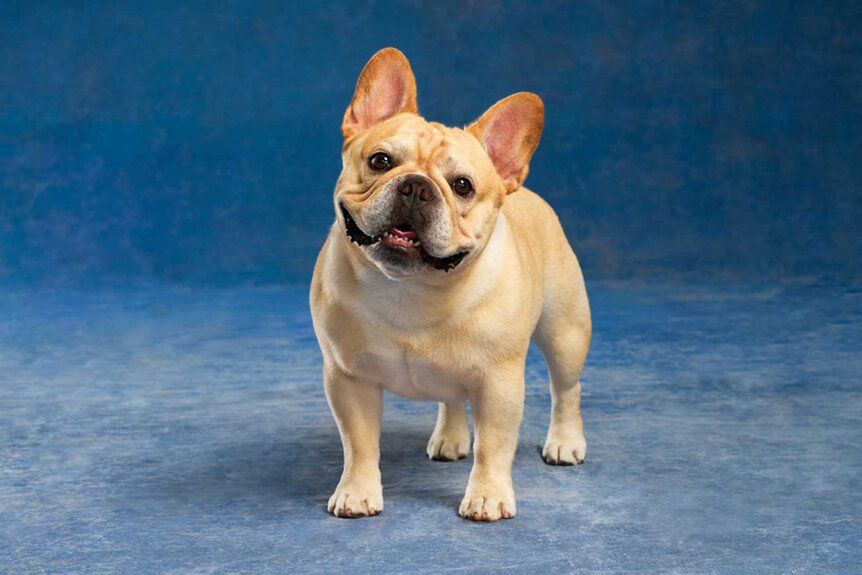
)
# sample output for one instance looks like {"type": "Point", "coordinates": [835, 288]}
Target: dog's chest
{"type": "Point", "coordinates": [409, 375]}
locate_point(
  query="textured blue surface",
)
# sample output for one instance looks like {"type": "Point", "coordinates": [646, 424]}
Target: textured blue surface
{"type": "Point", "coordinates": [196, 143]}
{"type": "Point", "coordinates": [169, 430]}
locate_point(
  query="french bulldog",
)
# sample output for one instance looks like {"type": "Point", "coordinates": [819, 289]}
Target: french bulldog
{"type": "Point", "coordinates": [438, 270]}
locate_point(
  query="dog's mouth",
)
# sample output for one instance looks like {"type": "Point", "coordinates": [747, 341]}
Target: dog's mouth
{"type": "Point", "coordinates": [402, 239]}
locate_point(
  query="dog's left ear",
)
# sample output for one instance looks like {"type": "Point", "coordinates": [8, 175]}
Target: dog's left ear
{"type": "Point", "coordinates": [510, 131]}
{"type": "Point", "coordinates": [386, 87]}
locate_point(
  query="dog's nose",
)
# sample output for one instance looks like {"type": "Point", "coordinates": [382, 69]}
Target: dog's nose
{"type": "Point", "coordinates": [419, 187]}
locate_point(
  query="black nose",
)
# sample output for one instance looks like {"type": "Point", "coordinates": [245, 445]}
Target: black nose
{"type": "Point", "coordinates": [418, 186]}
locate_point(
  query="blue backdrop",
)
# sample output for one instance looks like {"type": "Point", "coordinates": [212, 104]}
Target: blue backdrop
{"type": "Point", "coordinates": [200, 143]}
{"type": "Point", "coordinates": [699, 153]}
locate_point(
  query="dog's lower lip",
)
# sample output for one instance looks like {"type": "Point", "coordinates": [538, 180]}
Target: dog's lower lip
{"type": "Point", "coordinates": [354, 232]}
{"type": "Point", "coordinates": [445, 264]}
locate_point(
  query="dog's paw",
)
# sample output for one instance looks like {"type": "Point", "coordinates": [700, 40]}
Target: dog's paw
{"type": "Point", "coordinates": [488, 504]}
{"type": "Point", "coordinates": [448, 447]}
{"type": "Point", "coordinates": [565, 450]}
{"type": "Point", "coordinates": [352, 500]}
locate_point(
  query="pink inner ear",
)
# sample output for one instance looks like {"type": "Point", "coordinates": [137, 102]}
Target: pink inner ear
{"type": "Point", "coordinates": [384, 99]}
{"type": "Point", "coordinates": [392, 90]}
{"type": "Point", "coordinates": [503, 142]}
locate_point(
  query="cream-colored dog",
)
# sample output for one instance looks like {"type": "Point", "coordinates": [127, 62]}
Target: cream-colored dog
{"type": "Point", "coordinates": [438, 270]}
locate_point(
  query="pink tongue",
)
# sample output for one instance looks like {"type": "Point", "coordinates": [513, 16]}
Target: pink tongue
{"type": "Point", "coordinates": [400, 234]}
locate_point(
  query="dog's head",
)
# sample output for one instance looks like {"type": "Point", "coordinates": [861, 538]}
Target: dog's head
{"type": "Point", "coordinates": [417, 196]}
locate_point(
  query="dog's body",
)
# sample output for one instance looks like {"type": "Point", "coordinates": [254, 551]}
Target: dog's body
{"type": "Point", "coordinates": [416, 200]}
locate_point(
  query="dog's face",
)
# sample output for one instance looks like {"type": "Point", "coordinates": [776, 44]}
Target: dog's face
{"type": "Point", "coordinates": [417, 196]}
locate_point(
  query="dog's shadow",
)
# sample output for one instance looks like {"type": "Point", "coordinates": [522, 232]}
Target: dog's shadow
{"type": "Point", "coordinates": [300, 469]}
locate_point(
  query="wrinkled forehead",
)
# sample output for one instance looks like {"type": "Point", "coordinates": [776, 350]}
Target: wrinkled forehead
{"type": "Point", "coordinates": [426, 143]}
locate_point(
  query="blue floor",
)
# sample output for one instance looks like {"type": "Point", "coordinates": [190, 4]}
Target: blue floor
{"type": "Point", "coordinates": [169, 430]}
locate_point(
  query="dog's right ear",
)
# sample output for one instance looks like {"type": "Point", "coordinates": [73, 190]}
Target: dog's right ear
{"type": "Point", "coordinates": [385, 88]}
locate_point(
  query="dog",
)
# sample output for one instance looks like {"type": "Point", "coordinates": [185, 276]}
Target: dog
{"type": "Point", "coordinates": [437, 272]}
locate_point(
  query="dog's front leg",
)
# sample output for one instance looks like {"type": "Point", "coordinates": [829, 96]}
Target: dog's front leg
{"type": "Point", "coordinates": [497, 404]}
{"type": "Point", "coordinates": [358, 408]}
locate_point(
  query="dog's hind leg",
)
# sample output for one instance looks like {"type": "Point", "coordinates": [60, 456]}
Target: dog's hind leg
{"type": "Point", "coordinates": [563, 334]}
{"type": "Point", "coordinates": [451, 437]}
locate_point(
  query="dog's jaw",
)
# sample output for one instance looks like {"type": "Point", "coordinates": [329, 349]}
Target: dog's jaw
{"type": "Point", "coordinates": [400, 241]}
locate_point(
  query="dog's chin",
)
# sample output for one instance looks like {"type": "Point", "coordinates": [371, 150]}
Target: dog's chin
{"type": "Point", "coordinates": [396, 261]}
{"type": "Point", "coordinates": [398, 252]}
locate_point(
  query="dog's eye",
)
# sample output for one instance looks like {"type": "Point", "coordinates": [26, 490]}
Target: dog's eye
{"type": "Point", "coordinates": [463, 187]}
{"type": "Point", "coordinates": [380, 162]}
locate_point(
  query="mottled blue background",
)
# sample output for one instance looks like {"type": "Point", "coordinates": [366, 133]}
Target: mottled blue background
{"type": "Point", "coordinates": [200, 142]}
{"type": "Point", "coordinates": [166, 171]}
